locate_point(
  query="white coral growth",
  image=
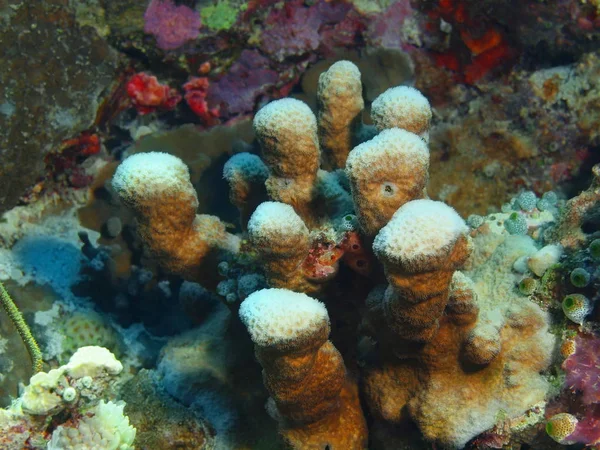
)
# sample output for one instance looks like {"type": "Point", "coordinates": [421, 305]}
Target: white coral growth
{"type": "Point", "coordinates": [104, 427]}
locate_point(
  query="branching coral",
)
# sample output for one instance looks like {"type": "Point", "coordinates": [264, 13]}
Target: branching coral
{"type": "Point", "coordinates": [385, 173]}
{"type": "Point", "coordinates": [157, 187]}
{"type": "Point", "coordinates": [452, 351]}
{"type": "Point", "coordinates": [287, 132]}
{"type": "Point", "coordinates": [313, 399]}
{"type": "Point", "coordinates": [340, 111]}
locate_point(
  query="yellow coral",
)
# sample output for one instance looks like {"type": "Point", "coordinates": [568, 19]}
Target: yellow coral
{"type": "Point", "coordinates": [560, 426]}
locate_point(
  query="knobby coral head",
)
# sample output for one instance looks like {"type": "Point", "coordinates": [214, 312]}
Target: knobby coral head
{"type": "Point", "coordinates": [172, 25]}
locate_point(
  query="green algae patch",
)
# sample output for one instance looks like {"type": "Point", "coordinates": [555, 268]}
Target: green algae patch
{"type": "Point", "coordinates": [221, 16]}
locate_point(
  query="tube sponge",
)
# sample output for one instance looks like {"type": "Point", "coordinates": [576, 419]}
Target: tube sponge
{"type": "Point", "coordinates": [420, 235]}
{"type": "Point", "coordinates": [385, 173]}
{"type": "Point", "coordinates": [281, 239]}
{"type": "Point", "coordinates": [157, 187]}
{"type": "Point", "coordinates": [281, 318]}
{"type": "Point", "coordinates": [402, 107]}
{"type": "Point", "coordinates": [420, 248]}
{"type": "Point", "coordinates": [146, 176]}
{"type": "Point", "coordinates": [311, 396]}
{"type": "Point", "coordinates": [340, 101]}
{"type": "Point", "coordinates": [246, 175]}
{"type": "Point", "coordinates": [275, 228]}
{"type": "Point", "coordinates": [287, 132]}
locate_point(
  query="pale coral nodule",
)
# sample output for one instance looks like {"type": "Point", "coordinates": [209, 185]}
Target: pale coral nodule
{"type": "Point", "coordinates": [402, 107]}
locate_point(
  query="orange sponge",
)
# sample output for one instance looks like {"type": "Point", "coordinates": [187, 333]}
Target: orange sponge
{"type": "Point", "coordinates": [385, 173]}
{"type": "Point", "coordinates": [287, 132]}
{"type": "Point", "coordinates": [156, 187]}
{"type": "Point", "coordinates": [313, 399]}
{"type": "Point", "coordinates": [340, 111]}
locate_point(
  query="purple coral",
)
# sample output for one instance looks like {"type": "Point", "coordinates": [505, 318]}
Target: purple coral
{"type": "Point", "coordinates": [582, 369]}
{"type": "Point", "coordinates": [291, 30]}
{"type": "Point", "coordinates": [587, 430]}
{"type": "Point", "coordinates": [247, 79]}
{"type": "Point", "coordinates": [294, 29]}
{"type": "Point", "coordinates": [385, 29]}
{"type": "Point", "coordinates": [172, 25]}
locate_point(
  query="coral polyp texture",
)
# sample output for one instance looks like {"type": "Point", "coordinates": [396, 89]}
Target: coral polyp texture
{"type": "Point", "coordinates": [402, 107]}
{"type": "Point", "coordinates": [384, 173]}
{"type": "Point", "coordinates": [287, 132]}
{"type": "Point", "coordinates": [157, 188]}
{"type": "Point", "coordinates": [313, 399]}
{"type": "Point", "coordinates": [65, 408]}
{"type": "Point", "coordinates": [340, 111]}
{"type": "Point", "coordinates": [448, 341]}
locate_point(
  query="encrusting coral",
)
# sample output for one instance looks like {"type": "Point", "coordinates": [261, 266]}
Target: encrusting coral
{"type": "Point", "coordinates": [64, 408]}
{"type": "Point", "coordinates": [452, 351]}
{"type": "Point", "coordinates": [314, 400]}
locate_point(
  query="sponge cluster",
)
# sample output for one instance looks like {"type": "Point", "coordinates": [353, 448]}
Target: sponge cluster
{"type": "Point", "coordinates": [278, 317]}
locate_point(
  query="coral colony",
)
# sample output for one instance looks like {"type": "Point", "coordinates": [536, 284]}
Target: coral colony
{"type": "Point", "coordinates": [348, 307]}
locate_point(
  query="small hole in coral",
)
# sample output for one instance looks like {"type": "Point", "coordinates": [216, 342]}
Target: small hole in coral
{"type": "Point", "coordinates": [388, 189]}
{"type": "Point", "coordinates": [361, 263]}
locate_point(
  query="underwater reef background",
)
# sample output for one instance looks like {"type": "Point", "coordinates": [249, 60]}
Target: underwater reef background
{"type": "Point", "coordinates": [315, 224]}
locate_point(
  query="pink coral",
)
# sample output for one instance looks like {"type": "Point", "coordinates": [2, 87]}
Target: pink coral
{"type": "Point", "coordinates": [583, 371]}
{"type": "Point", "coordinates": [148, 95]}
{"type": "Point", "coordinates": [172, 25]}
{"type": "Point", "coordinates": [294, 29]}
{"type": "Point", "coordinates": [195, 95]}
{"type": "Point", "coordinates": [248, 79]}
{"type": "Point", "coordinates": [383, 29]}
